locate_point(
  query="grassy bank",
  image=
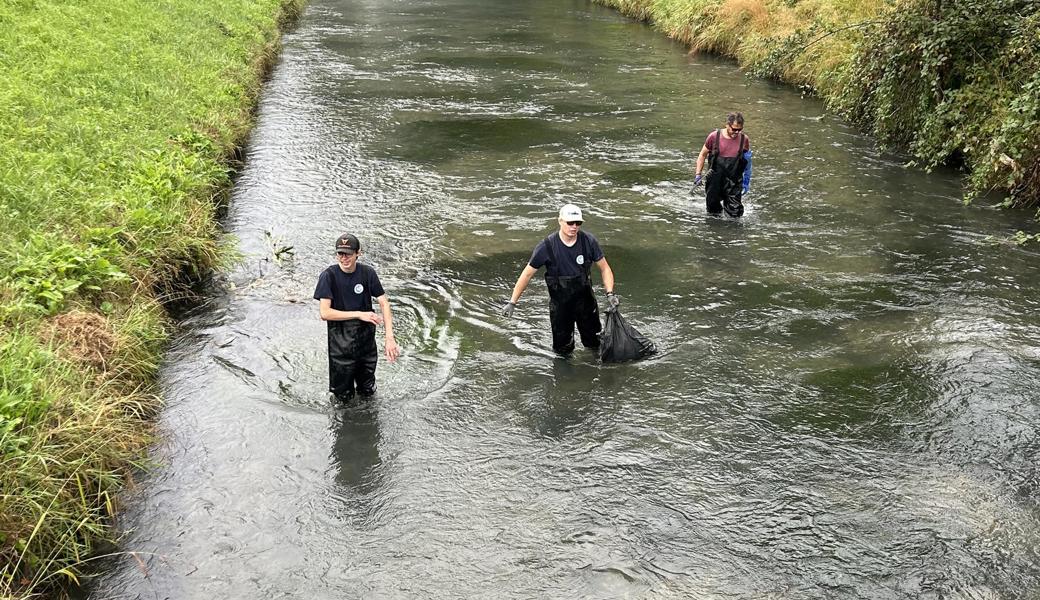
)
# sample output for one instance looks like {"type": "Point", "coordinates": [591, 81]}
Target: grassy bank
{"type": "Point", "coordinates": [952, 83]}
{"type": "Point", "coordinates": [118, 121]}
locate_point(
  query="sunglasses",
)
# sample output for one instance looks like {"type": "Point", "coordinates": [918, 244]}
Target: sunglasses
{"type": "Point", "coordinates": [578, 223]}
{"type": "Point", "coordinates": [737, 129]}
{"type": "Point", "coordinates": [346, 252]}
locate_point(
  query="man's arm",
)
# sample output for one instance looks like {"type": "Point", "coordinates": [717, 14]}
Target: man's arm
{"type": "Point", "coordinates": [700, 159]}
{"type": "Point", "coordinates": [521, 283]}
{"type": "Point", "coordinates": [390, 347]}
{"type": "Point", "coordinates": [607, 274]}
{"type": "Point", "coordinates": [327, 313]}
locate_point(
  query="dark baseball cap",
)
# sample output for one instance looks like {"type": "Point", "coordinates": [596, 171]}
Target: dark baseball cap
{"type": "Point", "coordinates": [347, 242]}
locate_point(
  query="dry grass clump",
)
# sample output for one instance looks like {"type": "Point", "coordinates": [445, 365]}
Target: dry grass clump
{"type": "Point", "coordinates": [744, 15]}
{"type": "Point", "coordinates": [84, 337]}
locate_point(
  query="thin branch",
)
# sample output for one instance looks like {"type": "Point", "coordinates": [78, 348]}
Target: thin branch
{"type": "Point", "coordinates": [838, 30]}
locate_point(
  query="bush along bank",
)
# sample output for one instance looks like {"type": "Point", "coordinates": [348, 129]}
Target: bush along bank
{"type": "Point", "coordinates": [119, 122]}
{"type": "Point", "coordinates": [953, 83]}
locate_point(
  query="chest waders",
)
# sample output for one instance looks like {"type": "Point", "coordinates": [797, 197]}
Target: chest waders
{"type": "Point", "coordinates": [571, 302]}
{"type": "Point", "coordinates": [724, 182]}
{"type": "Point", "coordinates": [352, 358]}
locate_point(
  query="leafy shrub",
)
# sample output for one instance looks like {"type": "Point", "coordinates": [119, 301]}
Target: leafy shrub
{"type": "Point", "coordinates": [47, 270]}
{"type": "Point", "coordinates": [956, 83]}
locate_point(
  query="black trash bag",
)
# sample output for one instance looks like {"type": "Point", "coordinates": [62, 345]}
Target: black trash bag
{"type": "Point", "coordinates": [620, 342]}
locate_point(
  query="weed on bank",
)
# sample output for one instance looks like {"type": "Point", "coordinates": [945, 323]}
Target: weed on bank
{"type": "Point", "coordinates": [118, 121]}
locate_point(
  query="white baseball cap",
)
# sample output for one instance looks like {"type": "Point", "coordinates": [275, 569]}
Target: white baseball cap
{"type": "Point", "coordinates": [569, 212]}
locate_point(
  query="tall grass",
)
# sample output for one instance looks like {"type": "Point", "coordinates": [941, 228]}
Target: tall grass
{"type": "Point", "coordinates": [783, 39]}
{"type": "Point", "coordinates": [118, 121]}
{"type": "Point", "coordinates": [952, 83]}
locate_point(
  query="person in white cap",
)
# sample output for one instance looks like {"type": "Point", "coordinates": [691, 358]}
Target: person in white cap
{"type": "Point", "coordinates": [568, 256]}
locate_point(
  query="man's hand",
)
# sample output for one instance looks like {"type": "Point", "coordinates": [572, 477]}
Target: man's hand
{"type": "Point", "coordinates": [371, 317]}
{"type": "Point", "coordinates": [612, 300]}
{"type": "Point", "coordinates": [697, 179]}
{"type": "Point", "coordinates": [391, 349]}
{"type": "Point", "coordinates": [507, 310]}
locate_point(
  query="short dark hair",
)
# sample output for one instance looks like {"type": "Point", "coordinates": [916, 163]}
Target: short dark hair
{"type": "Point", "coordinates": [735, 117]}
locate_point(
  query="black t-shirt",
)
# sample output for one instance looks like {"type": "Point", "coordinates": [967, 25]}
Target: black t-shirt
{"type": "Point", "coordinates": [572, 261]}
{"type": "Point", "coordinates": [349, 291]}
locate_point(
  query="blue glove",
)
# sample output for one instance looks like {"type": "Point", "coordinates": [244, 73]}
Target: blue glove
{"type": "Point", "coordinates": [747, 172]}
{"type": "Point", "coordinates": [697, 180]}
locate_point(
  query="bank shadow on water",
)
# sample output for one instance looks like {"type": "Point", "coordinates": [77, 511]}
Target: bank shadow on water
{"type": "Point", "coordinates": [440, 140]}
{"type": "Point", "coordinates": [865, 399]}
{"type": "Point", "coordinates": [643, 175]}
{"type": "Point", "coordinates": [498, 64]}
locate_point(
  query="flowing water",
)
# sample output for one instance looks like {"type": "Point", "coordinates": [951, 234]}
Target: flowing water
{"type": "Point", "coordinates": [844, 405]}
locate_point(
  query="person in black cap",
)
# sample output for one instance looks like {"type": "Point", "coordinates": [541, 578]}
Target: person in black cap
{"type": "Point", "coordinates": [568, 256]}
{"type": "Point", "coordinates": [345, 292]}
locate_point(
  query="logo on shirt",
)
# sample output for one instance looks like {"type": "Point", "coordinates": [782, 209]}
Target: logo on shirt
{"type": "Point", "coordinates": [359, 288]}
{"type": "Point", "coordinates": [580, 260]}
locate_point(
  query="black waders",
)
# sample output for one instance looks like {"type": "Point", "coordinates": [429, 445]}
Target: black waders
{"type": "Point", "coordinates": [572, 302]}
{"type": "Point", "coordinates": [724, 182]}
{"type": "Point", "coordinates": [352, 358]}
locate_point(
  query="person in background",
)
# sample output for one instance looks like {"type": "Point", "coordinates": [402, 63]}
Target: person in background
{"type": "Point", "coordinates": [728, 152]}
{"type": "Point", "coordinates": [568, 256]}
{"type": "Point", "coordinates": [345, 292]}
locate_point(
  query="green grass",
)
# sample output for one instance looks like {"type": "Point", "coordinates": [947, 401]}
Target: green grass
{"type": "Point", "coordinates": [952, 83]}
{"type": "Point", "coordinates": [118, 121]}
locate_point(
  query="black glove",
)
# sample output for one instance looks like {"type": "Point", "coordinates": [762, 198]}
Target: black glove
{"type": "Point", "coordinates": [507, 310]}
{"type": "Point", "coordinates": [612, 300]}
